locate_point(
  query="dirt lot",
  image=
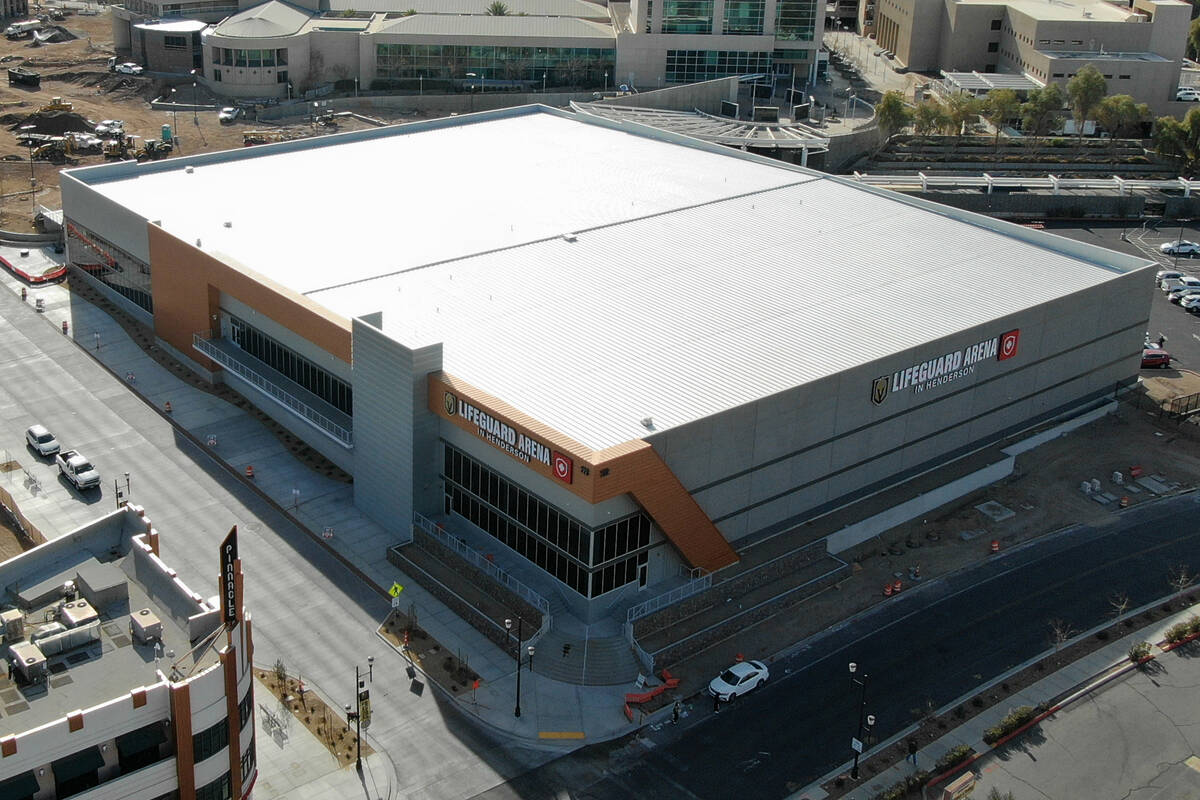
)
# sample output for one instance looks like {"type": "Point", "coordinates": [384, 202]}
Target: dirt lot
{"type": "Point", "coordinates": [77, 71]}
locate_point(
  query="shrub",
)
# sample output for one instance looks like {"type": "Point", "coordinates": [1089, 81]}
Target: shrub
{"type": "Point", "coordinates": [953, 757]}
{"type": "Point", "coordinates": [1178, 632]}
{"type": "Point", "coordinates": [1139, 651]}
{"type": "Point", "coordinates": [910, 786]}
{"type": "Point", "coordinates": [1013, 720]}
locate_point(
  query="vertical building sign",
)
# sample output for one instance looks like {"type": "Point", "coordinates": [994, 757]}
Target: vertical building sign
{"type": "Point", "coordinates": [229, 554]}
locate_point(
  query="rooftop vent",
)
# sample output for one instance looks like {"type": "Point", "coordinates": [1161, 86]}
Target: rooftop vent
{"type": "Point", "coordinates": [189, 170]}
{"type": "Point", "coordinates": [648, 423]}
{"type": "Point", "coordinates": [569, 237]}
{"type": "Point", "coordinates": [228, 224]}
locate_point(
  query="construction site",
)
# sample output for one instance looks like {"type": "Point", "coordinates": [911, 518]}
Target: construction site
{"type": "Point", "coordinates": [62, 94]}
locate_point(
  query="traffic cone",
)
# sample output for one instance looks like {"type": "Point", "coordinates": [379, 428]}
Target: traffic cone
{"type": "Point", "coordinates": [167, 406]}
{"type": "Point", "coordinates": [250, 471]}
{"type": "Point", "coordinates": [995, 545]}
{"type": "Point", "coordinates": [897, 586]}
{"type": "Point", "coordinates": [887, 590]}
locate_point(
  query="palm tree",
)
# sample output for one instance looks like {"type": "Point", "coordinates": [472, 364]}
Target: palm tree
{"type": "Point", "coordinates": [497, 9]}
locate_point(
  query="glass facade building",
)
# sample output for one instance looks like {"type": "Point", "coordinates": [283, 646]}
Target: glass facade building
{"type": "Point", "coordinates": [294, 367]}
{"type": "Point", "coordinates": [744, 17]}
{"type": "Point", "coordinates": [590, 561]}
{"type": "Point", "coordinates": [795, 20]}
{"type": "Point", "coordinates": [109, 264]}
{"type": "Point", "coordinates": [689, 66]}
{"type": "Point", "coordinates": [560, 65]}
{"type": "Point", "coordinates": [687, 16]}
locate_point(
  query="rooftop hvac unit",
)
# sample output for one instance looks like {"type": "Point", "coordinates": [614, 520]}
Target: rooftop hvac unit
{"type": "Point", "coordinates": [12, 622]}
{"type": "Point", "coordinates": [145, 626]}
{"type": "Point", "coordinates": [46, 631]}
{"type": "Point", "coordinates": [80, 612]}
{"type": "Point", "coordinates": [28, 660]}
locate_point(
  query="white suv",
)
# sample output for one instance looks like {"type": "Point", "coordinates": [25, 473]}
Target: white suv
{"type": "Point", "coordinates": [41, 440]}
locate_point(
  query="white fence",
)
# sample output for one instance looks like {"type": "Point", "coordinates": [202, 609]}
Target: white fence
{"type": "Point", "coordinates": [694, 586]}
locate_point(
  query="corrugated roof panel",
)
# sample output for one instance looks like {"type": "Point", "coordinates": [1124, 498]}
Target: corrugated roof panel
{"type": "Point", "coordinates": [685, 314]}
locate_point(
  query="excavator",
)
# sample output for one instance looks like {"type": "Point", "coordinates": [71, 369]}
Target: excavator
{"type": "Point", "coordinates": [57, 150]}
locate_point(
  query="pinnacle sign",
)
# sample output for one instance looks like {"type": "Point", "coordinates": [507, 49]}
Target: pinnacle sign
{"type": "Point", "coordinates": [946, 368]}
{"type": "Point", "coordinates": [229, 554]}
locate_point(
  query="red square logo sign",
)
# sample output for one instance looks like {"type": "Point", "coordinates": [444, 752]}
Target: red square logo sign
{"type": "Point", "coordinates": [564, 467]}
{"type": "Point", "coordinates": [1008, 345]}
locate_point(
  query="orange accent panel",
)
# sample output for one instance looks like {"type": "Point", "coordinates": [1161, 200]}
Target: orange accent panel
{"type": "Point", "coordinates": [8, 746]}
{"type": "Point", "coordinates": [185, 757]}
{"type": "Point", "coordinates": [633, 468]}
{"type": "Point", "coordinates": [187, 284]}
{"type": "Point", "coordinates": [139, 697]}
{"type": "Point", "coordinates": [229, 661]}
{"type": "Point", "coordinates": [75, 721]}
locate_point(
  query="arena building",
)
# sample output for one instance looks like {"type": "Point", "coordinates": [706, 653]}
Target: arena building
{"type": "Point", "coordinates": [612, 353]}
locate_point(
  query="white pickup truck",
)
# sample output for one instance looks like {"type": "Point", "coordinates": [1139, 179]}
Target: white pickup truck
{"type": "Point", "coordinates": [78, 469]}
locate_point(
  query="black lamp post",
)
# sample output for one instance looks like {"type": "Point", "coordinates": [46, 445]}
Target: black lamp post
{"type": "Point", "coordinates": [863, 718]}
{"type": "Point", "coordinates": [508, 623]}
{"type": "Point", "coordinates": [195, 110]}
{"type": "Point", "coordinates": [362, 699]}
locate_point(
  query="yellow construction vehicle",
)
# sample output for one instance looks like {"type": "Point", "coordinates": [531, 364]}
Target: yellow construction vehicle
{"type": "Point", "coordinates": [57, 104]}
{"type": "Point", "coordinates": [121, 147]}
{"type": "Point", "coordinates": [263, 137]}
{"type": "Point", "coordinates": [57, 149]}
{"type": "Point", "coordinates": [153, 149]}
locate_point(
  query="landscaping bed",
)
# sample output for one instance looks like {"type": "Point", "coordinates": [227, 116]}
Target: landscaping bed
{"type": "Point", "coordinates": [326, 723]}
{"type": "Point", "coordinates": [452, 672]}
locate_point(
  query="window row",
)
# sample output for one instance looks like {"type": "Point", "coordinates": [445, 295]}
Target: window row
{"type": "Point", "coordinates": [294, 367]}
{"type": "Point", "coordinates": [589, 583]}
{"type": "Point", "coordinates": [795, 20]}
{"type": "Point", "coordinates": [175, 43]}
{"type": "Point", "coordinates": [246, 707]}
{"type": "Point", "coordinates": [229, 57]}
{"type": "Point", "coordinates": [690, 66]}
{"type": "Point", "coordinates": [687, 16]}
{"type": "Point", "coordinates": [207, 743]}
{"type": "Point", "coordinates": [109, 264]}
{"type": "Point", "coordinates": [220, 789]}
{"type": "Point", "coordinates": [744, 17]}
{"type": "Point", "coordinates": [249, 758]}
{"type": "Point", "coordinates": [558, 65]}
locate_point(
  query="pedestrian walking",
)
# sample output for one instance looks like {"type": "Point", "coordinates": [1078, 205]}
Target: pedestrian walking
{"type": "Point", "coordinates": [1161, 341]}
{"type": "Point", "coordinates": [912, 751]}
{"type": "Point", "coordinates": [675, 712]}
{"type": "Point", "coordinates": [716, 704]}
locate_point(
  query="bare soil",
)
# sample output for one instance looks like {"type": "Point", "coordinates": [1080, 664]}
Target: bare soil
{"type": "Point", "coordinates": [77, 72]}
{"type": "Point", "coordinates": [326, 723]}
{"type": "Point", "coordinates": [438, 663]}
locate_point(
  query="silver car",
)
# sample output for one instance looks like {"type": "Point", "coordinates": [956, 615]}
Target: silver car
{"type": "Point", "coordinates": [41, 440]}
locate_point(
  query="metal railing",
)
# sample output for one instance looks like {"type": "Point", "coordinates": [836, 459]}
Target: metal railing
{"type": "Point", "coordinates": [479, 561]}
{"type": "Point", "coordinates": [1122, 186]}
{"type": "Point", "coordinates": [338, 433]}
{"type": "Point", "coordinates": [694, 586]}
{"type": "Point", "coordinates": [646, 660]}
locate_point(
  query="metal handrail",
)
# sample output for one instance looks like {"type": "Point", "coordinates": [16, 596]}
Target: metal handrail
{"type": "Point", "coordinates": [645, 658]}
{"type": "Point", "coordinates": [694, 586]}
{"type": "Point", "coordinates": [338, 433]}
{"type": "Point", "coordinates": [478, 560]}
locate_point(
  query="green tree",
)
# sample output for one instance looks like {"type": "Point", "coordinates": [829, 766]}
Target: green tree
{"type": "Point", "coordinates": [497, 9]}
{"type": "Point", "coordinates": [1194, 38]}
{"type": "Point", "coordinates": [999, 107]}
{"type": "Point", "coordinates": [1169, 137]}
{"type": "Point", "coordinates": [1121, 116]}
{"type": "Point", "coordinates": [960, 108]}
{"type": "Point", "coordinates": [1085, 90]}
{"type": "Point", "coordinates": [1042, 110]}
{"type": "Point", "coordinates": [892, 113]}
{"type": "Point", "coordinates": [928, 117]}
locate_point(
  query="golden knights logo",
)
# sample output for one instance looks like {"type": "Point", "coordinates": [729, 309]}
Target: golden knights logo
{"type": "Point", "coordinates": [450, 403]}
{"type": "Point", "coordinates": [879, 389]}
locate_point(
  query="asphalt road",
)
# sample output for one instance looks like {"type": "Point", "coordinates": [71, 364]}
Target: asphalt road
{"type": "Point", "coordinates": [925, 649]}
{"type": "Point", "coordinates": [308, 609]}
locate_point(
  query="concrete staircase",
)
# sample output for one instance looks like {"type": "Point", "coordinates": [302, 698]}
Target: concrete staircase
{"type": "Point", "coordinates": [590, 662]}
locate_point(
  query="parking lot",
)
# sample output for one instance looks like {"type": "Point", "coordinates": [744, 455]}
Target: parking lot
{"type": "Point", "coordinates": [1181, 328]}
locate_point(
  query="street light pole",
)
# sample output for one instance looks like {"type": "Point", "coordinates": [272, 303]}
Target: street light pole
{"type": "Point", "coordinates": [543, 83]}
{"type": "Point", "coordinates": [174, 119]}
{"type": "Point", "coordinates": [857, 744]}
{"type": "Point", "coordinates": [508, 626]}
{"type": "Point", "coordinates": [195, 111]}
{"type": "Point", "coordinates": [1177, 247]}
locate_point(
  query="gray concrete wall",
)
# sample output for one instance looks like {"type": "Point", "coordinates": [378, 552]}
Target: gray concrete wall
{"type": "Point", "coordinates": [114, 222]}
{"type": "Point", "coordinates": [706, 96]}
{"type": "Point", "coordinates": [788, 457]}
{"type": "Point", "coordinates": [392, 437]}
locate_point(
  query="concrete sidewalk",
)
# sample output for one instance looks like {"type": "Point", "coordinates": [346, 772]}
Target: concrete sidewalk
{"type": "Point", "coordinates": [555, 716]}
{"type": "Point", "coordinates": [1079, 678]}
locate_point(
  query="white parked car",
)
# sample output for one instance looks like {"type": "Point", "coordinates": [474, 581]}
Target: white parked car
{"type": "Point", "coordinates": [1165, 274]}
{"type": "Point", "coordinates": [1191, 303]}
{"type": "Point", "coordinates": [229, 114]}
{"type": "Point", "coordinates": [41, 440]}
{"type": "Point", "coordinates": [129, 68]}
{"type": "Point", "coordinates": [1178, 295]}
{"type": "Point", "coordinates": [738, 679]}
{"type": "Point", "coordinates": [1184, 281]}
{"type": "Point", "coordinates": [1187, 94]}
{"type": "Point", "coordinates": [1179, 248]}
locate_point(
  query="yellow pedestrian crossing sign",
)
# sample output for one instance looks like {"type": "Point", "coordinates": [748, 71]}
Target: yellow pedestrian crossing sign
{"type": "Point", "coordinates": [395, 590]}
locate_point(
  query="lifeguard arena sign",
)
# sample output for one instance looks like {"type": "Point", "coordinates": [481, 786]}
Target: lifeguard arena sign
{"type": "Point", "coordinates": [504, 437]}
{"type": "Point", "coordinates": [946, 369]}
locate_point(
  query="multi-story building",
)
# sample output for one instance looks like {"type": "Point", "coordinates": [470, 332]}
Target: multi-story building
{"type": "Point", "coordinates": [123, 682]}
{"type": "Point", "coordinates": [276, 49]}
{"type": "Point", "coordinates": [606, 354]}
{"type": "Point", "coordinates": [14, 9]}
{"type": "Point", "coordinates": [1139, 48]}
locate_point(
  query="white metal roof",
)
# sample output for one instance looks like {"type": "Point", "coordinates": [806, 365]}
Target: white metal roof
{"type": "Point", "coordinates": [264, 21]}
{"type": "Point", "coordinates": [549, 8]}
{"type": "Point", "coordinates": [507, 27]}
{"type": "Point", "coordinates": [986, 81]}
{"type": "Point", "coordinates": [700, 279]}
{"type": "Point", "coordinates": [711, 128]}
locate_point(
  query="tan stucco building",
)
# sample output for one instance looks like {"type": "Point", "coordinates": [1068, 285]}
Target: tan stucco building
{"type": "Point", "coordinates": [1138, 49]}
